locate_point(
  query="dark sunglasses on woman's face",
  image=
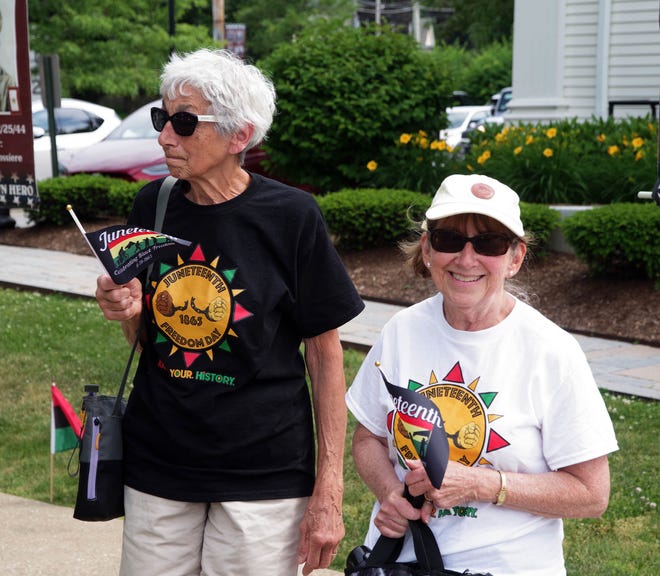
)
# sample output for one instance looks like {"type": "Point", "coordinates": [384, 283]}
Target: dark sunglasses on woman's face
{"type": "Point", "coordinates": [488, 244]}
{"type": "Point", "coordinates": [183, 123]}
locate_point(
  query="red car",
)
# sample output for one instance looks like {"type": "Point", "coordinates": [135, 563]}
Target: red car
{"type": "Point", "coordinates": [132, 152]}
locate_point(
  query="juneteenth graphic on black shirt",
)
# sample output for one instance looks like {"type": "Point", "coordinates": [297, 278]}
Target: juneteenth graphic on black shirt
{"type": "Point", "coordinates": [194, 307]}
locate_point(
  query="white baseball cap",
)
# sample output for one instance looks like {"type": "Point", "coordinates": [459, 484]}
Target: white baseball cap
{"type": "Point", "coordinates": [477, 194]}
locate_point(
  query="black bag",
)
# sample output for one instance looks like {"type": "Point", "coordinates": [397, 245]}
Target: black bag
{"type": "Point", "coordinates": [382, 560]}
{"type": "Point", "coordinates": [101, 473]}
{"type": "Point", "coordinates": [101, 460]}
{"type": "Point", "coordinates": [101, 466]}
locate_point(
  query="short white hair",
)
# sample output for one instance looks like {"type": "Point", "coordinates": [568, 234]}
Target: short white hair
{"type": "Point", "coordinates": [239, 93]}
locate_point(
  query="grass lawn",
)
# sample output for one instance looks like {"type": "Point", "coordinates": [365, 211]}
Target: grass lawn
{"type": "Point", "coordinates": [45, 338]}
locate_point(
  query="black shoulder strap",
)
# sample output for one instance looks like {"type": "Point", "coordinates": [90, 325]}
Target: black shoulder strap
{"type": "Point", "coordinates": [161, 208]}
{"type": "Point", "coordinates": [386, 550]}
{"type": "Point", "coordinates": [161, 203]}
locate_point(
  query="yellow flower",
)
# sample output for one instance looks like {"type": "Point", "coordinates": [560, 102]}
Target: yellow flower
{"type": "Point", "coordinates": [372, 165]}
{"type": "Point", "coordinates": [422, 134]}
{"type": "Point", "coordinates": [548, 153]}
{"type": "Point", "coordinates": [469, 167]}
{"type": "Point", "coordinates": [405, 138]}
{"type": "Point", "coordinates": [484, 157]}
{"type": "Point", "coordinates": [517, 150]}
{"type": "Point", "coordinates": [423, 143]}
{"type": "Point", "coordinates": [601, 137]}
{"type": "Point", "coordinates": [439, 145]}
{"type": "Point", "coordinates": [639, 155]}
{"type": "Point", "coordinates": [551, 132]}
{"type": "Point", "coordinates": [529, 140]}
{"type": "Point", "coordinates": [614, 149]}
{"type": "Point", "coordinates": [499, 137]}
{"type": "Point", "coordinates": [637, 142]}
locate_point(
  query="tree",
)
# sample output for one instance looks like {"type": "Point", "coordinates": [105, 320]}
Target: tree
{"type": "Point", "coordinates": [113, 50]}
{"type": "Point", "coordinates": [476, 24]}
{"type": "Point", "coordinates": [273, 22]}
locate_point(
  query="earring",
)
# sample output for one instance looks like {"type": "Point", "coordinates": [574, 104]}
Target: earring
{"type": "Point", "coordinates": [428, 264]}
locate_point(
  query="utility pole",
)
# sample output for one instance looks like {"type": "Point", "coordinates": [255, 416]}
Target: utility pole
{"type": "Point", "coordinates": [172, 24]}
{"type": "Point", "coordinates": [219, 20]}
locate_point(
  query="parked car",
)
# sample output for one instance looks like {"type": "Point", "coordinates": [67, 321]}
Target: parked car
{"type": "Point", "coordinates": [461, 120]}
{"type": "Point", "coordinates": [132, 152]}
{"type": "Point", "coordinates": [499, 104]}
{"type": "Point", "coordinates": [78, 124]}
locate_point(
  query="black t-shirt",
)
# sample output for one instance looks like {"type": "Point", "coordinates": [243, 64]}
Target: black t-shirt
{"type": "Point", "coordinates": [220, 409]}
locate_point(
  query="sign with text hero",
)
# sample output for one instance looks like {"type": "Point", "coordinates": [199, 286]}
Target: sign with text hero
{"type": "Point", "coordinates": [17, 183]}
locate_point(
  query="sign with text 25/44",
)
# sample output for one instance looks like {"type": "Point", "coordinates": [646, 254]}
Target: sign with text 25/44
{"type": "Point", "coordinates": [17, 181]}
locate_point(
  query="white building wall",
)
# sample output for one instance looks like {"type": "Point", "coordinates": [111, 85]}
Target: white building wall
{"type": "Point", "coordinates": [634, 54]}
{"type": "Point", "coordinates": [579, 81]}
{"type": "Point", "coordinates": [571, 58]}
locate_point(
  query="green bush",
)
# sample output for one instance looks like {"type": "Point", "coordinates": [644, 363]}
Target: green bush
{"type": "Point", "coordinates": [416, 162]}
{"type": "Point", "coordinates": [90, 196]}
{"type": "Point", "coordinates": [121, 196]}
{"type": "Point", "coordinates": [618, 238]}
{"type": "Point", "coordinates": [569, 162]}
{"type": "Point", "coordinates": [539, 221]}
{"type": "Point", "coordinates": [487, 72]}
{"type": "Point", "coordinates": [369, 218]}
{"type": "Point", "coordinates": [344, 96]}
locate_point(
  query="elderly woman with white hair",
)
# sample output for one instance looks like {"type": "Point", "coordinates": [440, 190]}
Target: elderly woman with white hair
{"type": "Point", "coordinates": [222, 474]}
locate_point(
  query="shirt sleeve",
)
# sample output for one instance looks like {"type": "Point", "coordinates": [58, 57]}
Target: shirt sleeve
{"type": "Point", "coordinates": [326, 295]}
{"type": "Point", "coordinates": [576, 425]}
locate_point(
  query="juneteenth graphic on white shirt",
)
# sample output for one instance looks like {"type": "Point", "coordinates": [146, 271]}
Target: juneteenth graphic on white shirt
{"type": "Point", "coordinates": [467, 423]}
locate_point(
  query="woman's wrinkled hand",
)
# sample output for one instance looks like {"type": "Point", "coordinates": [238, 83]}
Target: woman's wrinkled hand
{"type": "Point", "coordinates": [120, 302]}
{"type": "Point", "coordinates": [459, 486]}
{"type": "Point", "coordinates": [394, 514]}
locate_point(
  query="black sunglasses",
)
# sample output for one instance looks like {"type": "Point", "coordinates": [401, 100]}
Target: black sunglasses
{"type": "Point", "coordinates": [488, 244]}
{"type": "Point", "coordinates": [183, 123]}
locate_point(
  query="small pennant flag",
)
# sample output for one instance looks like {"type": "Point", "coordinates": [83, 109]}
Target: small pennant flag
{"type": "Point", "coordinates": [65, 425]}
{"type": "Point", "coordinates": [125, 252]}
{"type": "Point", "coordinates": [417, 411]}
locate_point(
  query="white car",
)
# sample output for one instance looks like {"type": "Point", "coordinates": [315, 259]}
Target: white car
{"type": "Point", "coordinates": [462, 120]}
{"type": "Point", "coordinates": [499, 104]}
{"type": "Point", "coordinates": [78, 123]}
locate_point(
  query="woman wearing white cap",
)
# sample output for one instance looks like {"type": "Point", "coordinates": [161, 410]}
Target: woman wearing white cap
{"type": "Point", "coordinates": [527, 428]}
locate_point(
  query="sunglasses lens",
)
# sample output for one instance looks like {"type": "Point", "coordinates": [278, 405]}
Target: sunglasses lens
{"type": "Point", "coordinates": [184, 123]}
{"type": "Point", "coordinates": [159, 118]}
{"type": "Point", "coordinates": [447, 241]}
{"type": "Point", "coordinates": [489, 244]}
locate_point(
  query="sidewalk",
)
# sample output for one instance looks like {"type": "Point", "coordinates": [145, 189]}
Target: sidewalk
{"type": "Point", "coordinates": [42, 539]}
{"type": "Point", "coordinates": [618, 366]}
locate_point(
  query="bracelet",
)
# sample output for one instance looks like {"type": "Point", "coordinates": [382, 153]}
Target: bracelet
{"type": "Point", "coordinates": [501, 495]}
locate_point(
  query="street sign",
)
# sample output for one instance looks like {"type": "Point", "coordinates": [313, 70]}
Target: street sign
{"type": "Point", "coordinates": [17, 183]}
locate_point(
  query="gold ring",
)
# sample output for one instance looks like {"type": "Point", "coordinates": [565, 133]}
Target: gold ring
{"type": "Point", "coordinates": [428, 500]}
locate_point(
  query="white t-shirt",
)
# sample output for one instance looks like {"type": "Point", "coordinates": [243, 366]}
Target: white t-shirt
{"type": "Point", "coordinates": [519, 397]}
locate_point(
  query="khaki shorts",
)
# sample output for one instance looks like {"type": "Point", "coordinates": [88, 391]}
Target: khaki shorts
{"type": "Point", "coordinates": [166, 537]}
